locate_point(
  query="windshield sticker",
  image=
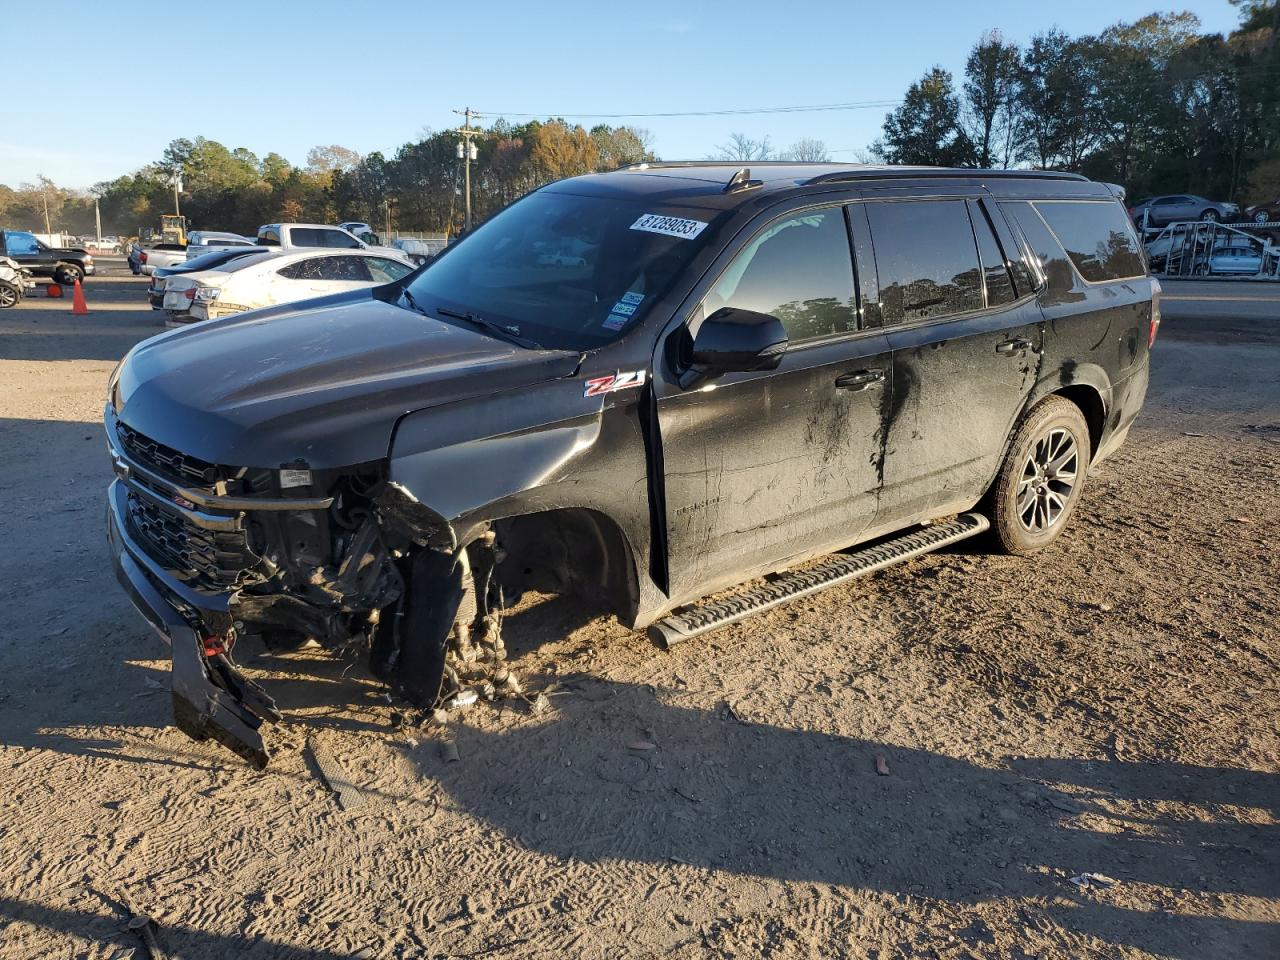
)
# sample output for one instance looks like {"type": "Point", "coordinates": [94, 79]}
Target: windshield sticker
{"type": "Point", "coordinates": [632, 298]}
{"type": "Point", "coordinates": [613, 382]}
{"type": "Point", "coordinates": [615, 322]}
{"type": "Point", "coordinates": [669, 226]}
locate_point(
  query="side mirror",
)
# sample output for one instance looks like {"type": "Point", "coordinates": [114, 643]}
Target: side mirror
{"type": "Point", "coordinates": [732, 341]}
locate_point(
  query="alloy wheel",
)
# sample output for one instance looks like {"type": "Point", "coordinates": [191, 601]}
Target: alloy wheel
{"type": "Point", "coordinates": [8, 296]}
{"type": "Point", "coordinates": [1048, 477]}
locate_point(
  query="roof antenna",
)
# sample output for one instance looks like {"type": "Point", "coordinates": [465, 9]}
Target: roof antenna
{"type": "Point", "coordinates": [742, 181]}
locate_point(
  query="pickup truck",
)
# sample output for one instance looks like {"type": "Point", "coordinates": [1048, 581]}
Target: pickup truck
{"type": "Point", "coordinates": [162, 255]}
{"type": "Point", "coordinates": [290, 235]}
{"type": "Point", "coordinates": [64, 265]}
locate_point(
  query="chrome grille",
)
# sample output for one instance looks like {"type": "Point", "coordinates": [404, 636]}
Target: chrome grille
{"type": "Point", "coordinates": [211, 559]}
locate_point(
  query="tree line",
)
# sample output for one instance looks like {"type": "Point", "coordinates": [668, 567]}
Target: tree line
{"type": "Point", "coordinates": [233, 189]}
{"type": "Point", "coordinates": [1155, 105]}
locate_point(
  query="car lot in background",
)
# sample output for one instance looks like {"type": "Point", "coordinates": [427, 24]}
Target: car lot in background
{"type": "Point", "coordinates": [267, 279]}
{"type": "Point", "coordinates": [1176, 207]}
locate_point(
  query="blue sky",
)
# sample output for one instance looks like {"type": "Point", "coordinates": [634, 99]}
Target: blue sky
{"type": "Point", "coordinates": [112, 85]}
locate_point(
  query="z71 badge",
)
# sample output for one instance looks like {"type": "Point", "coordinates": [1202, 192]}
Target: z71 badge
{"type": "Point", "coordinates": [613, 382]}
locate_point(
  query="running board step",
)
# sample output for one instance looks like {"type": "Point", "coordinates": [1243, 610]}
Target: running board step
{"type": "Point", "coordinates": [694, 620]}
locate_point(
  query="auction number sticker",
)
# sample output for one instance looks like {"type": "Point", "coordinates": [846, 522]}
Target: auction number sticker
{"type": "Point", "coordinates": [669, 226]}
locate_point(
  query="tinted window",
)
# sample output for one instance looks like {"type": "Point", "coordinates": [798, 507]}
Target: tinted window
{"type": "Point", "coordinates": [798, 270]}
{"type": "Point", "coordinates": [345, 269]}
{"type": "Point", "coordinates": [309, 269]}
{"type": "Point", "coordinates": [1053, 262]}
{"type": "Point", "coordinates": [306, 237]}
{"type": "Point", "coordinates": [338, 240]}
{"type": "Point", "coordinates": [925, 258]}
{"type": "Point", "coordinates": [1097, 237]}
{"type": "Point", "coordinates": [269, 237]}
{"type": "Point", "coordinates": [994, 272]}
{"type": "Point", "coordinates": [21, 244]}
{"type": "Point", "coordinates": [385, 271]}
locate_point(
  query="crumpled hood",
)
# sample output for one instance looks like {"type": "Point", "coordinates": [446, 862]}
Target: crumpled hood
{"type": "Point", "coordinates": [323, 381]}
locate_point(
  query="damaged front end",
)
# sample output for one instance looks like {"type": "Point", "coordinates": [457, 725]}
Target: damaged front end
{"type": "Point", "coordinates": [209, 554]}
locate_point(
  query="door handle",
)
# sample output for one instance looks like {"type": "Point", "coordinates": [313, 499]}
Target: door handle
{"type": "Point", "coordinates": [859, 379]}
{"type": "Point", "coordinates": [1016, 345]}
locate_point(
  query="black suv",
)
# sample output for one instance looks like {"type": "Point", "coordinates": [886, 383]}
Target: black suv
{"type": "Point", "coordinates": [642, 386]}
{"type": "Point", "coordinates": [63, 264]}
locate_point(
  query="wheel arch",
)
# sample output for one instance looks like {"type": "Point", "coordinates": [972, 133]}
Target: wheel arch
{"type": "Point", "coordinates": [1091, 404]}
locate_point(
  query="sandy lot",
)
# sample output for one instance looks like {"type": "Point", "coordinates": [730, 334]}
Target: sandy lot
{"type": "Point", "coordinates": [1109, 707]}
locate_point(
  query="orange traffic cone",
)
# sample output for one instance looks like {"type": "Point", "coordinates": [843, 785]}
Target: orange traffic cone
{"type": "Point", "coordinates": [78, 306]}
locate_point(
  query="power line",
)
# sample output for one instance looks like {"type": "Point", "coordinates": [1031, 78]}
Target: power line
{"type": "Point", "coordinates": [801, 108]}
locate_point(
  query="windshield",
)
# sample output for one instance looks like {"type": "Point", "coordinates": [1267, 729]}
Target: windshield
{"type": "Point", "coordinates": [565, 271]}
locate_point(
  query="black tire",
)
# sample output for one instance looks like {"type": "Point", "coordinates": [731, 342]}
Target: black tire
{"type": "Point", "coordinates": [1262, 216]}
{"type": "Point", "coordinates": [10, 296]}
{"type": "Point", "coordinates": [1029, 506]}
{"type": "Point", "coordinates": [1209, 216]}
{"type": "Point", "coordinates": [68, 274]}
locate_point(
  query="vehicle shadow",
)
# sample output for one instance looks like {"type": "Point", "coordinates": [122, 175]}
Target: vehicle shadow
{"type": "Point", "coordinates": [620, 773]}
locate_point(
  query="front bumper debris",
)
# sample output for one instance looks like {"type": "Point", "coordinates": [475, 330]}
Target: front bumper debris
{"type": "Point", "coordinates": [212, 699]}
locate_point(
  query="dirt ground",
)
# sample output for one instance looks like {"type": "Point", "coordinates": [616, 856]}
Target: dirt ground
{"type": "Point", "coordinates": [1110, 707]}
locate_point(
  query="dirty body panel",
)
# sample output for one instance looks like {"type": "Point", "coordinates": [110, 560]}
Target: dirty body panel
{"type": "Point", "coordinates": [379, 469]}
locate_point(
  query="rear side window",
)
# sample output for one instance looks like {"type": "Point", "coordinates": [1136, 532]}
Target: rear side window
{"type": "Point", "coordinates": [1097, 237]}
{"type": "Point", "coordinates": [926, 259]}
{"type": "Point", "coordinates": [346, 269]}
{"type": "Point", "coordinates": [306, 237]}
{"type": "Point", "coordinates": [799, 270]}
{"type": "Point", "coordinates": [309, 269]}
{"type": "Point", "coordinates": [1044, 246]}
{"type": "Point", "coordinates": [994, 272]}
{"type": "Point", "coordinates": [269, 238]}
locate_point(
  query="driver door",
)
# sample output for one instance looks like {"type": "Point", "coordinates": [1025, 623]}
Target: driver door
{"type": "Point", "coordinates": [769, 466]}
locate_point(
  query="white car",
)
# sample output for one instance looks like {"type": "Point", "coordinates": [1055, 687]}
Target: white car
{"type": "Point", "coordinates": [270, 278]}
{"type": "Point", "coordinates": [162, 255]}
{"type": "Point", "coordinates": [200, 242]}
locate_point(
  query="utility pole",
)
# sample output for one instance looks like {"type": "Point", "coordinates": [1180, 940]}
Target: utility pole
{"type": "Point", "coordinates": [177, 189]}
{"type": "Point", "coordinates": [467, 153]}
{"type": "Point", "coordinates": [386, 205]}
{"type": "Point", "coordinates": [97, 219]}
{"type": "Point", "coordinates": [45, 197]}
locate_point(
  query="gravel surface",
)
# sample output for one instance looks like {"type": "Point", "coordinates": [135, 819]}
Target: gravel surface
{"type": "Point", "coordinates": [914, 765]}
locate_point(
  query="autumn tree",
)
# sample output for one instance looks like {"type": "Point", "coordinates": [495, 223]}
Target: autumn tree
{"type": "Point", "coordinates": [558, 150]}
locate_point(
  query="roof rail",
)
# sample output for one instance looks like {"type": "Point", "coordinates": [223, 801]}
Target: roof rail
{"type": "Point", "coordinates": [873, 172]}
{"type": "Point", "coordinates": [660, 164]}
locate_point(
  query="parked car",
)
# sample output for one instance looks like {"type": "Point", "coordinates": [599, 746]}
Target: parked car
{"type": "Point", "coordinates": [1265, 212]}
{"type": "Point", "coordinates": [1174, 208]}
{"type": "Point", "coordinates": [161, 255]}
{"type": "Point", "coordinates": [290, 235]}
{"type": "Point", "coordinates": [356, 227]}
{"type": "Point", "coordinates": [1238, 260]}
{"type": "Point", "coordinates": [206, 261]}
{"type": "Point", "coordinates": [15, 283]}
{"type": "Point", "coordinates": [744, 373]}
{"type": "Point", "coordinates": [200, 242]}
{"type": "Point", "coordinates": [62, 264]}
{"type": "Point", "coordinates": [279, 277]}
{"type": "Point", "coordinates": [419, 251]}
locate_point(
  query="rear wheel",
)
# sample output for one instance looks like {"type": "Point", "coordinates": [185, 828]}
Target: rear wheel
{"type": "Point", "coordinates": [68, 274]}
{"type": "Point", "coordinates": [1040, 482]}
{"type": "Point", "coordinates": [1262, 216]}
{"type": "Point", "coordinates": [1209, 216]}
{"type": "Point", "coordinates": [9, 295]}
